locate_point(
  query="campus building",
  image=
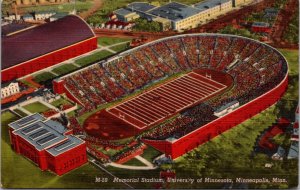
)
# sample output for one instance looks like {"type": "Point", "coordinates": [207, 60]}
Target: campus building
{"type": "Point", "coordinates": [9, 89]}
{"type": "Point", "coordinates": [46, 45]}
{"type": "Point", "coordinates": [47, 143]}
{"type": "Point", "coordinates": [180, 16]}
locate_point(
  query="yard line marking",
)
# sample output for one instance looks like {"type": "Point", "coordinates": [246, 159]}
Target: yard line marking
{"type": "Point", "coordinates": [134, 115]}
{"type": "Point", "coordinates": [139, 112]}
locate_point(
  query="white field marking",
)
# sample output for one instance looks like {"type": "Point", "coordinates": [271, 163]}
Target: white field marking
{"type": "Point", "coordinates": [147, 106]}
{"type": "Point", "coordinates": [180, 92]}
{"type": "Point", "coordinates": [186, 88]}
{"type": "Point", "coordinates": [167, 97]}
{"type": "Point", "coordinates": [167, 100]}
{"type": "Point", "coordinates": [128, 121]}
{"type": "Point", "coordinates": [171, 96]}
{"type": "Point", "coordinates": [141, 110]}
{"type": "Point", "coordinates": [164, 101]}
{"type": "Point", "coordinates": [183, 82]}
{"type": "Point", "coordinates": [148, 91]}
{"type": "Point", "coordinates": [126, 109]}
{"type": "Point", "coordinates": [209, 79]}
{"type": "Point", "coordinates": [128, 115]}
{"type": "Point", "coordinates": [171, 91]}
{"type": "Point", "coordinates": [141, 116]}
{"type": "Point", "coordinates": [209, 86]}
{"type": "Point", "coordinates": [142, 99]}
{"type": "Point", "coordinates": [194, 86]}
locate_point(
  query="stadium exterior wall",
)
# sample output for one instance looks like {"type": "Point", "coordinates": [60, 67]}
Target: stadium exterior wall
{"type": "Point", "coordinates": [48, 60]}
{"type": "Point", "coordinates": [207, 132]}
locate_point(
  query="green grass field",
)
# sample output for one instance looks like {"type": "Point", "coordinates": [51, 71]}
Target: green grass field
{"type": "Point", "coordinates": [65, 7]}
{"type": "Point", "coordinates": [20, 112]}
{"type": "Point", "coordinates": [134, 162]}
{"type": "Point", "coordinates": [59, 102]}
{"type": "Point", "coordinates": [293, 58]}
{"type": "Point", "coordinates": [36, 107]}
{"type": "Point", "coordinates": [64, 69]}
{"type": "Point", "coordinates": [121, 47]}
{"type": "Point", "coordinates": [150, 153]}
{"type": "Point", "coordinates": [93, 58]}
{"type": "Point", "coordinates": [107, 41]}
{"type": "Point", "coordinates": [42, 77]}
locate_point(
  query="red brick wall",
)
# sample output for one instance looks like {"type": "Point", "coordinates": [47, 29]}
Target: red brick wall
{"type": "Point", "coordinates": [48, 60]}
{"type": "Point", "coordinates": [68, 161]}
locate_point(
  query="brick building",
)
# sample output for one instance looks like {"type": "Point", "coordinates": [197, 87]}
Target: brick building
{"type": "Point", "coordinates": [47, 143]}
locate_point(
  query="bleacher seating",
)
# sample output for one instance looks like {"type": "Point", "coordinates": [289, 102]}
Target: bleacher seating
{"type": "Point", "coordinates": [258, 69]}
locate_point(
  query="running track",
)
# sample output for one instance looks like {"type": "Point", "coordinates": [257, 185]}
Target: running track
{"type": "Point", "coordinates": [166, 100]}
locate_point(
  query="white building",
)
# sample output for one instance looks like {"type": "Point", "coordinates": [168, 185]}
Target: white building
{"type": "Point", "coordinates": [10, 89]}
{"type": "Point", "coordinates": [43, 15]}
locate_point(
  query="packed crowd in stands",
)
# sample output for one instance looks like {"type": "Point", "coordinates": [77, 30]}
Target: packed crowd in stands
{"type": "Point", "coordinates": [49, 113]}
{"type": "Point", "coordinates": [255, 68]}
{"type": "Point", "coordinates": [188, 121]}
{"type": "Point", "coordinates": [128, 152]}
{"type": "Point", "coordinates": [110, 144]}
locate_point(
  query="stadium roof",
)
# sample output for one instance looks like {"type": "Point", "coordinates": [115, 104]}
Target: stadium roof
{"type": "Point", "coordinates": [140, 6]}
{"type": "Point", "coordinates": [209, 4]}
{"type": "Point", "coordinates": [43, 133]}
{"type": "Point", "coordinates": [43, 39]}
{"type": "Point", "coordinates": [174, 11]}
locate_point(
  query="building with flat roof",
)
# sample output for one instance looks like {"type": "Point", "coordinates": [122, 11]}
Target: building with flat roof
{"type": "Point", "coordinates": [126, 15]}
{"type": "Point", "coordinates": [140, 6]}
{"type": "Point", "coordinates": [47, 143]}
{"type": "Point", "coordinates": [215, 8]}
{"type": "Point", "coordinates": [181, 16]}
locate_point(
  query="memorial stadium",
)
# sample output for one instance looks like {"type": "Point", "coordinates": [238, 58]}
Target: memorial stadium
{"type": "Point", "coordinates": [178, 92]}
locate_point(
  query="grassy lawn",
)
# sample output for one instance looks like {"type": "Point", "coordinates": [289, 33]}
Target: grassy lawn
{"type": "Point", "coordinates": [229, 156]}
{"type": "Point", "coordinates": [27, 83]}
{"type": "Point", "coordinates": [107, 41]}
{"type": "Point", "coordinates": [93, 58]}
{"type": "Point", "coordinates": [65, 7]}
{"type": "Point", "coordinates": [20, 112]}
{"type": "Point", "coordinates": [134, 162]}
{"type": "Point", "coordinates": [292, 58]}
{"type": "Point", "coordinates": [42, 77]}
{"type": "Point", "coordinates": [121, 47]}
{"type": "Point", "coordinates": [150, 153]}
{"type": "Point", "coordinates": [64, 69]}
{"type": "Point", "coordinates": [59, 102]}
{"type": "Point", "coordinates": [36, 107]}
